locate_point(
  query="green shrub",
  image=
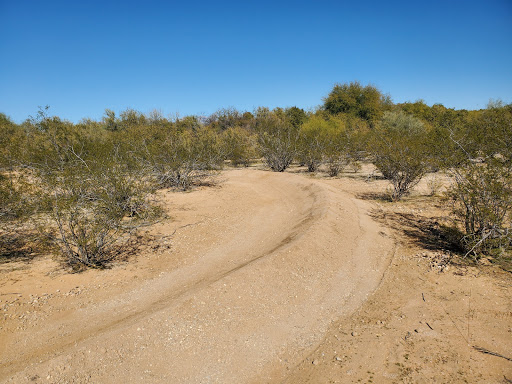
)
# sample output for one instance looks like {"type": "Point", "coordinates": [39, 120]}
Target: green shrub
{"type": "Point", "coordinates": [482, 197]}
{"type": "Point", "coordinates": [239, 146]}
{"type": "Point", "coordinates": [178, 159]}
{"type": "Point", "coordinates": [401, 151]}
{"type": "Point", "coordinates": [277, 138]}
{"type": "Point", "coordinates": [95, 205]}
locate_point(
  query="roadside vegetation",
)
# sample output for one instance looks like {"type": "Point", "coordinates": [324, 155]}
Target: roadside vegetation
{"type": "Point", "coordinates": [85, 189]}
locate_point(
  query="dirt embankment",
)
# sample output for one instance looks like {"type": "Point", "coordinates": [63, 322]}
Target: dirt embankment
{"type": "Point", "coordinates": [264, 278]}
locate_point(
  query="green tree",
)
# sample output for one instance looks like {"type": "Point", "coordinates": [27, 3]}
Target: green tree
{"type": "Point", "coordinates": [296, 116]}
{"type": "Point", "coordinates": [366, 102]}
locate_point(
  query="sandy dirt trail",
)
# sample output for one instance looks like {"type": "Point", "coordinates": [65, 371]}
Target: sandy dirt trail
{"type": "Point", "coordinates": [259, 268]}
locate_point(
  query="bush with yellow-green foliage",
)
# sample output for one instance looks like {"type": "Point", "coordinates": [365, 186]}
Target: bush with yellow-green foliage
{"type": "Point", "coordinates": [356, 100]}
{"type": "Point", "coordinates": [278, 138]}
{"type": "Point", "coordinates": [239, 146]}
{"type": "Point", "coordinates": [401, 151]}
{"type": "Point", "coordinates": [482, 191]}
{"type": "Point", "coordinates": [178, 158]}
{"type": "Point", "coordinates": [335, 141]}
{"type": "Point", "coordinates": [315, 137]}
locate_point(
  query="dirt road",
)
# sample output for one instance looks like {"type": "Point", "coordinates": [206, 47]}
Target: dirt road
{"type": "Point", "coordinates": [257, 270]}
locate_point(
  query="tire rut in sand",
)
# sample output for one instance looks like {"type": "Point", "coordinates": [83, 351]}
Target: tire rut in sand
{"type": "Point", "coordinates": [283, 263]}
{"type": "Point", "coordinates": [79, 329]}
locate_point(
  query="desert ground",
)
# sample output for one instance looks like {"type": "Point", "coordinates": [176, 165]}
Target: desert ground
{"type": "Point", "coordinates": [267, 277]}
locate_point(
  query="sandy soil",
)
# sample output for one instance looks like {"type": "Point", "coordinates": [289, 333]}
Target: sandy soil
{"type": "Point", "coordinates": [264, 277]}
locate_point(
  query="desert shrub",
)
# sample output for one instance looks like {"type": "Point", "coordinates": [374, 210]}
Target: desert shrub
{"type": "Point", "coordinates": [178, 159]}
{"type": "Point", "coordinates": [90, 193]}
{"type": "Point", "coordinates": [434, 184]}
{"type": "Point", "coordinates": [482, 191]}
{"type": "Point", "coordinates": [482, 197]}
{"type": "Point", "coordinates": [401, 152]}
{"type": "Point", "coordinates": [345, 143]}
{"type": "Point", "coordinates": [226, 118]}
{"type": "Point", "coordinates": [331, 140]}
{"type": "Point", "coordinates": [277, 138]}
{"type": "Point", "coordinates": [313, 142]}
{"type": "Point", "coordinates": [95, 204]}
{"type": "Point", "coordinates": [239, 146]}
{"type": "Point", "coordinates": [15, 201]}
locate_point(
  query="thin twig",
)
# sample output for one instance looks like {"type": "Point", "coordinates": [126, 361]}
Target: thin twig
{"type": "Point", "coordinates": [486, 351]}
{"type": "Point", "coordinates": [477, 244]}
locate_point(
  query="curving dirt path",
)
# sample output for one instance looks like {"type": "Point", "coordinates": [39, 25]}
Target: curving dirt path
{"type": "Point", "coordinates": [258, 269]}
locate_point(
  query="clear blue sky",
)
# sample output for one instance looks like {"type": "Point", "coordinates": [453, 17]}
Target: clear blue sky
{"type": "Point", "coordinates": [194, 57]}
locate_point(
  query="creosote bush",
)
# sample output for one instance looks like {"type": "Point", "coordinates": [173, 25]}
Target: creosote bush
{"type": "Point", "coordinates": [401, 152]}
{"type": "Point", "coordinates": [239, 146]}
{"type": "Point", "coordinates": [482, 197]}
{"type": "Point", "coordinates": [482, 191]}
{"type": "Point", "coordinates": [278, 138]}
{"type": "Point", "coordinates": [95, 204]}
{"type": "Point", "coordinates": [178, 159]}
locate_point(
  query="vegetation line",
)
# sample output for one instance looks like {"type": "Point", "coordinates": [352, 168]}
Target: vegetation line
{"type": "Point", "coordinates": [84, 190]}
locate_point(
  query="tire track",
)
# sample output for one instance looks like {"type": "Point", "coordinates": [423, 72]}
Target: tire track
{"type": "Point", "coordinates": [55, 345]}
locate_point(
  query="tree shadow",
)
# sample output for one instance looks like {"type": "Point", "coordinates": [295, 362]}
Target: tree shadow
{"type": "Point", "coordinates": [426, 232]}
{"type": "Point", "coordinates": [17, 246]}
{"type": "Point", "coordinates": [362, 176]}
{"type": "Point", "coordinates": [375, 196]}
{"type": "Point", "coordinates": [299, 169]}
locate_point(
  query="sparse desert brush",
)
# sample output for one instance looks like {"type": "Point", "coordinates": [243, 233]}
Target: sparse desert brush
{"type": "Point", "coordinates": [482, 192]}
{"type": "Point", "coordinates": [401, 151]}
{"type": "Point", "coordinates": [95, 205]}
{"type": "Point", "coordinates": [278, 137]}
{"type": "Point", "coordinates": [178, 159]}
{"type": "Point", "coordinates": [239, 146]}
{"type": "Point", "coordinates": [482, 204]}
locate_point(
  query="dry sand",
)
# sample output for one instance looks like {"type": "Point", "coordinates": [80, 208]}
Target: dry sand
{"type": "Point", "coordinates": [264, 277]}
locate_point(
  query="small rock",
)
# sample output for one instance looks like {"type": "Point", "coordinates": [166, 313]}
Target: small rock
{"type": "Point", "coordinates": [337, 358]}
{"type": "Point", "coordinates": [354, 333]}
{"type": "Point", "coordinates": [315, 362]}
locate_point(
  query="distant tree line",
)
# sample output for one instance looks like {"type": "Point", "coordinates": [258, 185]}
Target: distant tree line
{"type": "Point", "coordinates": [87, 187]}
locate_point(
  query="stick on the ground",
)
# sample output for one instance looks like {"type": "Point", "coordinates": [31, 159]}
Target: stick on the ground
{"type": "Point", "coordinates": [486, 351]}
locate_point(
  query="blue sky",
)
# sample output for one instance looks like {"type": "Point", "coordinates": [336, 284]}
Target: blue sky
{"type": "Point", "coordinates": [195, 57]}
